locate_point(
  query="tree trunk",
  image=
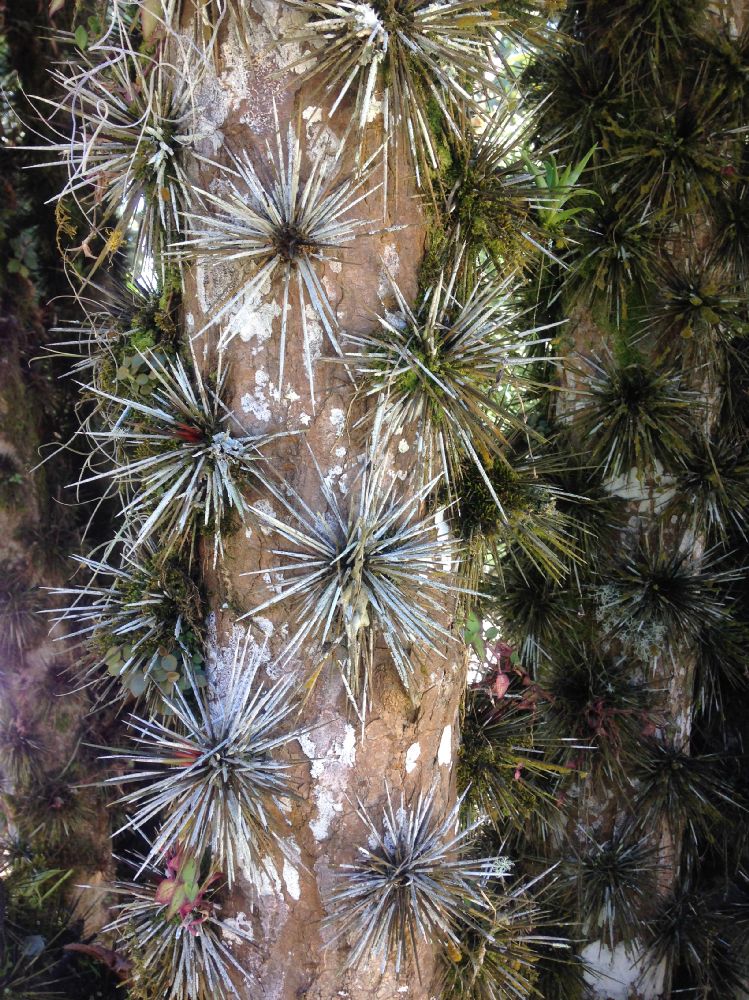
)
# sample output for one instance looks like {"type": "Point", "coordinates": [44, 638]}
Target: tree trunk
{"type": "Point", "coordinates": [402, 746]}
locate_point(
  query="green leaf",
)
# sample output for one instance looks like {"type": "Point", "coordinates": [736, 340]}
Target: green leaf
{"type": "Point", "coordinates": [81, 37]}
{"type": "Point", "coordinates": [136, 683]}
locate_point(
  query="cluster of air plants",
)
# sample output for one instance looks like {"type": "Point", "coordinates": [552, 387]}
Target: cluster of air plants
{"type": "Point", "coordinates": [413, 61]}
{"type": "Point", "coordinates": [637, 654]}
{"type": "Point", "coordinates": [140, 621]}
{"type": "Point", "coordinates": [373, 571]}
{"type": "Point", "coordinates": [416, 880]}
{"type": "Point", "coordinates": [136, 125]}
{"type": "Point", "coordinates": [212, 773]}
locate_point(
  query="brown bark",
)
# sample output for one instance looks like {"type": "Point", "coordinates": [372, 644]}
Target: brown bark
{"type": "Point", "coordinates": [408, 747]}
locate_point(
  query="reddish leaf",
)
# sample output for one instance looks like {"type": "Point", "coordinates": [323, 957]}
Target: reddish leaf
{"type": "Point", "coordinates": [119, 965]}
{"type": "Point", "coordinates": [501, 684]}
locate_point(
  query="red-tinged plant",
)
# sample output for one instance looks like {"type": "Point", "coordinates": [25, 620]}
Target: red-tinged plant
{"type": "Point", "coordinates": [183, 894]}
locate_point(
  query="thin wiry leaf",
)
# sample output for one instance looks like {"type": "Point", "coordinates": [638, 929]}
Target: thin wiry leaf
{"type": "Point", "coordinates": [136, 121]}
{"type": "Point", "coordinates": [499, 961]}
{"type": "Point", "coordinates": [193, 469]}
{"type": "Point", "coordinates": [663, 592]}
{"type": "Point", "coordinates": [285, 226]}
{"type": "Point", "coordinates": [174, 958]}
{"type": "Point", "coordinates": [141, 620]}
{"type": "Point", "coordinates": [615, 884]}
{"type": "Point", "coordinates": [414, 882]}
{"type": "Point", "coordinates": [690, 792]}
{"type": "Point", "coordinates": [376, 571]}
{"type": "Point", "coordinates": [634, 416]}
{"type": "Point", "coordinates": [212, 773]}
{"type": "Point", "coordinates": [417, 57]}
{"type": "Point", "coordinates": [451, 368]}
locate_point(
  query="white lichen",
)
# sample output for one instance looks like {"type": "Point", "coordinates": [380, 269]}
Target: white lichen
{"type": "Point", "coordinates": [412, 755]}
{"type": "Point", "coordinates": [332, 753]}
{"type": "Point", "coordinates": [445, 752]}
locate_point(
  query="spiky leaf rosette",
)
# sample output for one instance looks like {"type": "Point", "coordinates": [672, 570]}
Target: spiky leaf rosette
{"type": "Point", "coordinates": [687, 791]}
{"type": "Point", "coordinates": [536, 613]}
{"type": "Point", "coordinates": [593, 699]}
{"type": "Point", "coordinates": [197, 457]}
{"type": "Point", "coordinates": [577, 90]}
{"type": "Point", "coordinates": [287, 227]}
{"type": "Point", "coordinates": [25, 976]}
{"type": "Point", "coordinates": [595, 514]}
{"type": "Point", "coordinates": [614, 881]}
{"type": "Point", "coordinates": [515, 515]}
{"type": "Point", "coordinates": [415, 882]}
{"type": "Point", "coordinates": [22, 748]}
{"type": "Point", "coordinates": [142, 623]}
{"type": "Point", "coordinates": [722, 672]}
{"type": "Point", "coordinates": [508, 768]}
{"type": "Point", "coordinates": [54, 810]}
{"type": "Point", "coordinates": [698, 940]}
{"type": "Point", "coordinates": [121, 322]}
{"type": "Point", "coordinates": [612, 255]}
{"type": "Point", "coordinates": [20, 602]}
{"type": "Point", "coordinates": [417, 57]}
{"type": "Point", "coordinates": [493, 202]}
{"type": "Point", "coordinates": [212, 774]}
{"type": "Point", "coordinates": [451, 368]}
{"type": "Point", "coordinates": [731, 227]}
{"type": "Point", "coordinates": [698, 308]}
{"type": "Point", "coordinates": [654, 30]}
{"type": "Point", "coordinates": [498, 962]}
{"type": "Point", "coordinates": [659, 592]}
{"type": "Point", "coordinates": [136, 122]}
{"type": "Point", "coordinates": [176, 954]}
{"type": "Point", "coordinates": [374, 571]}
{"type": "Point", "coordinates": [634, 416]}
{"type": "Point", "coordinates": [711, 490]}
{"type": "Point", "coordinates": [671, 150]}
